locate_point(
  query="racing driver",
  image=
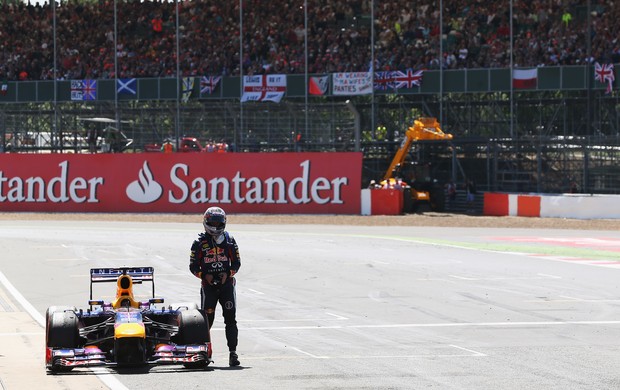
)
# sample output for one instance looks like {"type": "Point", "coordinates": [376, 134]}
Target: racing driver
{"type": "Point", "coordinates": [214, 259]}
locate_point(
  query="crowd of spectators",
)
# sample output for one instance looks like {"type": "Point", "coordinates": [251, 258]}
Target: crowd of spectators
{"type": "Point", "coordinates": [476, 34]}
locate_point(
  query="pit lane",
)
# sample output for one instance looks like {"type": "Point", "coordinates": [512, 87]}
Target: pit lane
{"type": "Point", "coordinates": [341, 306]}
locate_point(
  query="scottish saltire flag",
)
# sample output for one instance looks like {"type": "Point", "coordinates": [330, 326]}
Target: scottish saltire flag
{"type": "Point", "coordinates": [127, 86]}
{"type": "Point", "coordinates": [187, 88]}
{"type": "Point", "coordinates": [208, 84]}
{"type": "Point", "coordinates": [83, 89]}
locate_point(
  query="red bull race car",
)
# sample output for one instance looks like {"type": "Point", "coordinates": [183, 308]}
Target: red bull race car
{"type": "Point", "coordinates": [126, 331]}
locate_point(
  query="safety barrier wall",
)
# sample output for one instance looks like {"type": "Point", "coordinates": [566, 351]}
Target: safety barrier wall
{"type": "Point", "coordinates": [578, 206]}
{"type": "Point", "coordinates": [550, 78]}
{"type": "Point", "coordinates": [382, 201]}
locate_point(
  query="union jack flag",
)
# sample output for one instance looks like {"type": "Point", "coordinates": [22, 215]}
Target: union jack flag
{"type": "Point", "coordinates": [407, 79]}
{"type": "Point", "coordinates": [90, 89]}
{"type": "Point", "coordinates": [209, 83]}
{"type": "Point", "coordinates": [384, 80]}
{"type": "Point", "coordinates": [83, 89]}
{"type": "Point", "coordinates": [605, 74]}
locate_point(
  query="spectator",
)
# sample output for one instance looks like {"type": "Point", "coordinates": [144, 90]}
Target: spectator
{"type": "Point", "coordinates": [167, 147]}
{"type": "Point", "coordinates": [451, 190]}
{"type": "Point", "coordinates": [91, 136]}
{"type": "Point", "coordinates": [544, 34]}
{"type": "Point", "coordinates": [574, 188]}
{"type": "Point", "coordinates": [566, 18]}
{"type": "Point", "coordinates": [470, 188]}
{"type": "Point", "coordinates": [158, 25]}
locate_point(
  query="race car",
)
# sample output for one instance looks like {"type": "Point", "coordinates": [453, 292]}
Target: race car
{"type": "Point", "coordinates": [126, 332]}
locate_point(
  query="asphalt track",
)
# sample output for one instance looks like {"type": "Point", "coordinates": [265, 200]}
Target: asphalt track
{"type": "Point", "coordinates": [341, 307]}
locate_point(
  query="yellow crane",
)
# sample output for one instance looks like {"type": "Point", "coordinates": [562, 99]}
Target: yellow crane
{"type": "Point", "coordinates": [423, 129]}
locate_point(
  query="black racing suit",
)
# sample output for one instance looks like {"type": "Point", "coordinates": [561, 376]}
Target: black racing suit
{"type": "Point", "coordinates": [209, 257]}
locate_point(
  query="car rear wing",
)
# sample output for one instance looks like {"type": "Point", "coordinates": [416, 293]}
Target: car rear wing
{"type": "Point", "coordinates": [137, 274]}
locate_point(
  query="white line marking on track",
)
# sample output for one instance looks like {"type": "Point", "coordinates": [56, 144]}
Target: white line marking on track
{"type": "Point", "coordinates": [337, 316]}
{"type": "Point", "coordinates": [551, 276]}
{"type": "Point", "coordinates": [256, 292]}
{"type": "Point", "coordinates": [103, 374]}
{"type": "Point", "coordinates": [475, 353]}
{"type": "Point", "coordinates": [311, 319]}
{"type": "Point", "coordinates": [571, 298]}
{"type": "Point", "coordinates": [574, 299]}
{"type": "Point", "coordinates": [106, 376]}
{"type": "Point", "coordinates": [368, 357]}
{"type": "Point", "coordinates": [309, 354]}
{"type": "Point", "coordinates": [469, 353]}
{"type": "Point", "coordinates": [74, 259]}
{"type": "Point", "coordinates": [21, 300]}
{"type": "Point", "coordinates": [21, 334]}
{"type": "Point", "coordinates": [436, 325]}
{"type": "Point", "coordinates": [461, 277]}
{"type": "Point", "coordinates": [488, 324]}
{"type": "Point", "coordinates": [496, 278]}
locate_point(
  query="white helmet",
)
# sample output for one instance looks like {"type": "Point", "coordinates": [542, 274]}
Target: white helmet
{"type": "Point", "coordinates": [214, 221]}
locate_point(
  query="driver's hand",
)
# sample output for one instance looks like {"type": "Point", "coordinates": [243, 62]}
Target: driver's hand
{"type": "Point", "coordinates": [208, 278]}
{"type": "Point", "coordinates": [223, 276]}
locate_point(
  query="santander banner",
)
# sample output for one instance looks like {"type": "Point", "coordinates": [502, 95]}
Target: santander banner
{"type": "Point", "coordinates": [283, 183]}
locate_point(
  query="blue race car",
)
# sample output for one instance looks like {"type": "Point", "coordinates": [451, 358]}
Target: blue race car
{"type": "Point", "coordinates": [126, 332]}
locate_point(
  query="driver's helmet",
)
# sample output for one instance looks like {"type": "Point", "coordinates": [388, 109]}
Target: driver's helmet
{"type": "Point", "coordinates": [214, 221]}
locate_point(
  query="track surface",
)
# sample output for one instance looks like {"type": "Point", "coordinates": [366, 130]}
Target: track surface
{"type": "Point", "coordinates": [342, 307]}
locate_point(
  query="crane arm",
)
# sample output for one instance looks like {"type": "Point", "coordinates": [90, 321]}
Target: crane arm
{"type": "Point", "coordinates": [422, 129]}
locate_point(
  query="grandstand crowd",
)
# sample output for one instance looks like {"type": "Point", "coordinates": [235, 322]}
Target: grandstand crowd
{"type": "Point", "coordinates": [476, 34]}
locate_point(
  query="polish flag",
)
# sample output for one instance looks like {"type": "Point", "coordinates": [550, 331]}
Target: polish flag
{"type": "Point", "coordinates": [524, 78]}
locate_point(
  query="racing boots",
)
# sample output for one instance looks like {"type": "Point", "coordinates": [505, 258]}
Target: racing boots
{"type": "Point", "coordinates": [233, 359]}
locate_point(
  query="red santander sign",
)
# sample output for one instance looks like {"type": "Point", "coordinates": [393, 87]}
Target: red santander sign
{"type": "Point", "coordinates": [284, 183]}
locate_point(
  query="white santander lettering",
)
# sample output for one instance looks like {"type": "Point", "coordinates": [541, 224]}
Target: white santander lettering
{"type": "Point", "coordinates": [199, 195]}
{"type": "Point", "coordinates": [59, 189]}
{"type": "Point", "coordinates": [255, 190]}
{"type": "Point", "coordinates": [215, 183]}
{"type": "Point", "coordinates": [270, 183]}
{"type": "Point", "coordinates": [180, 184]}
{"type": "Point", "coordinates": [303, 181]}
{"type": "Point", "coordinates": [237, 181]}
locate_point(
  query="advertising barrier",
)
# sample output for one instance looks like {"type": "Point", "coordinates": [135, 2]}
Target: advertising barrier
{"type": "Point", "coordinates": [282, 183]}
{"type": "Point", "coordinates": [382, 201]}
{"type": "Point", "coordinates": [577, 206]}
